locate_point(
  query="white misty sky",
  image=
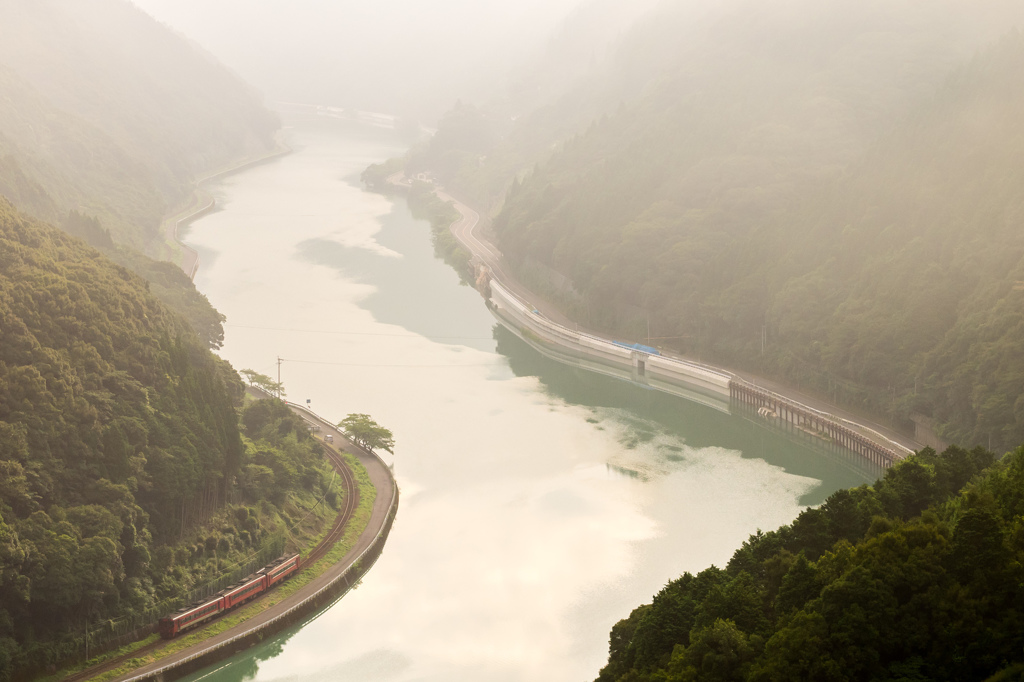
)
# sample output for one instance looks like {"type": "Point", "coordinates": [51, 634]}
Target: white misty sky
{"type": "Point", "coordinates": [396, 56]}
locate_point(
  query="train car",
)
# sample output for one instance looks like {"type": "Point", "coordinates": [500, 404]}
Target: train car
{"type": "Point", "coordinates": [278, 571]}
{"type": "Point", "coordinates": [190, 617]}
{"type": "Point", "coordinates": [250, 588]}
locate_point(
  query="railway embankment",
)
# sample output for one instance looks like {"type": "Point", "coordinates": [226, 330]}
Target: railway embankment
{"type": "Point", "coordinates": [320, 592]}
{"type": "Point", "coordinates": [713, 386]}
{"type": "Point", "coordinates": [700, 383]}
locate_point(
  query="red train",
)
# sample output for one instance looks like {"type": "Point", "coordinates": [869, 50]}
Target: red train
{"type": "Point", "coordinates": [225, 600]}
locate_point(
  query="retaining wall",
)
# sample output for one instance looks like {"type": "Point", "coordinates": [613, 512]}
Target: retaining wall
{"type": "Point", "coordinates": [705, 384]}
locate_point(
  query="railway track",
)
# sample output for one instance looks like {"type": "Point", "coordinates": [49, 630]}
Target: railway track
{"type": "Point", "coordinates": [349, 504]}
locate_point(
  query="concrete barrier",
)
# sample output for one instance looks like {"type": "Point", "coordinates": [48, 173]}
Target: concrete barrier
{"type": "Point", "coordinates": [694, 381]}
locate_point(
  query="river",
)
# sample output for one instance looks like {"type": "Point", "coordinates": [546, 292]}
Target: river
{"type": "Point", "coordinates": [540, 504]}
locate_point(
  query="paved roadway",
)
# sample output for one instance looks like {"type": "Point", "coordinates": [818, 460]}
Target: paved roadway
{"type": "Point", "coordinates": [467, 231]}
{"type": "Point", "coordinates": [189, 256]}
{"type": "Point", "coordinates": [382, 480]}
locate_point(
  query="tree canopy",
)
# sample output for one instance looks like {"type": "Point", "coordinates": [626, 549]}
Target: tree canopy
{"type": "Point", "coordinates": [119, 447]}
{"type": "Point", "coordinates": [262, 381]}
{"type": "Point", "coordinates": [917, 577]}
{"type": "Point", "coordinates": [367, 433]}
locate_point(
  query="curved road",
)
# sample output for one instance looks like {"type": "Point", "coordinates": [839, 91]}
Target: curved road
{"type": "Point", "coordinates": [465, 230]}
{"type": "Point", "coordinates": [199, 204]}
{"type": "Point", "coordinates": [380, 476]}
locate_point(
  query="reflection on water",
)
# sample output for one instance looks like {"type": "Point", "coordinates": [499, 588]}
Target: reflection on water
{"type": "Point", "coordinates": [406, 282]}
{"type": "Point", "coordinates": [540, 504]}
{"type": "Point", "coordinates": [653, 417]}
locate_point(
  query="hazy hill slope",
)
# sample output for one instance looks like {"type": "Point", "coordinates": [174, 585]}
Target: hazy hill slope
{"type": "Point", "coordinates": [105, 119]}
{"type": "Point", "coordinates": [917, 260]}
{"type": "Point", "coordinates": [61, 169]}
{"type": "Point", "coordinates": [844, 68]}
{"type": "Point", "coordinates": [106, 111]}
{"type": "Point", "coordinates": [169, 103]}
{"type": "Point", "coordinates": [805, 174]}
{"type": "Point", "coordinates": [573, 79]}
{"type": "Point", "coordinates": [52, 162]}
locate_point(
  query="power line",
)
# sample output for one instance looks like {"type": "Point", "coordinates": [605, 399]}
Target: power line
{"type": "Point", "coordinates": [356, 364]}
{"type": "Point", "coordinates": [327, 331]}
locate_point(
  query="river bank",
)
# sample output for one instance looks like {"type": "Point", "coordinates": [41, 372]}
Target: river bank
{"type": "Point", "coordinates": [199, 203]}
{"type": "Point", "coordinates": [350, 558]}
{"type": "Point", "coordinates": [881, 445]}
{"type": "Point", "coordinates": [343, 552]}
{"type": "Point", "coordinates": [539, 504]}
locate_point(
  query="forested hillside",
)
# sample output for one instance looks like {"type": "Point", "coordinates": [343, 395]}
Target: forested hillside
{"type": "Point", "coordinates": [106, 118]}
{"type": "Point", "coordinates": [119, 438]}
{"type": "Point", "coordinates": [918, 577]}
{"type": "Point", "coordinates": [828, 193]}
{"type": "Point", "coordinates": [885, 286]}
{"type": "Point", "coordinates": [843, 68]}
{"type": "Point", "coordinates": [104, 110]}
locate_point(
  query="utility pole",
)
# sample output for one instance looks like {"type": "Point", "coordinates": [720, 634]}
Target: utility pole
{"type": "Point", "coordinates": [279, 376]}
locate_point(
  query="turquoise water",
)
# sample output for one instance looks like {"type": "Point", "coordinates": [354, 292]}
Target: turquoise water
{"type": "Point", "coordinates": [540, 503]}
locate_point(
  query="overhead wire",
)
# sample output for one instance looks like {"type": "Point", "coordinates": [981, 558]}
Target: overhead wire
{"type": "Point", "coordinates": [357, 364]}
{"type": "Point", "coordinates": [349, 333]}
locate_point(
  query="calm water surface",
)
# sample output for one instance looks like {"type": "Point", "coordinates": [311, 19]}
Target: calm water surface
{"type": "Point", "coordinates": [540, 504]}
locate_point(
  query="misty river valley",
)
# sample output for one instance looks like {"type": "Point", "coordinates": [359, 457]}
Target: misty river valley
{"type": "Point", "coordinates": [539, 504]}
{"type": "Point", "coordinates": [547, 341]}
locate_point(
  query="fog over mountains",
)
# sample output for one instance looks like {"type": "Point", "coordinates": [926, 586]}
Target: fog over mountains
{"type": "Point", "coordinates": [106, 110]}
{"type": "Point", "coordinates": [401, 57]}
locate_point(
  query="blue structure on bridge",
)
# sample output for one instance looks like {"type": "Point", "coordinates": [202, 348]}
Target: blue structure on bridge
{"type": "Point", "coordinates": [638, 346]}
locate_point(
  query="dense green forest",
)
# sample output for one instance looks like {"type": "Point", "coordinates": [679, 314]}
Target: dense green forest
{"type": "Point", "coordinates": [918, 577]}
{"type": "Point", "coordinates": [124, 478]}
{"type": "Point", "coordinates": [827, 193]}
